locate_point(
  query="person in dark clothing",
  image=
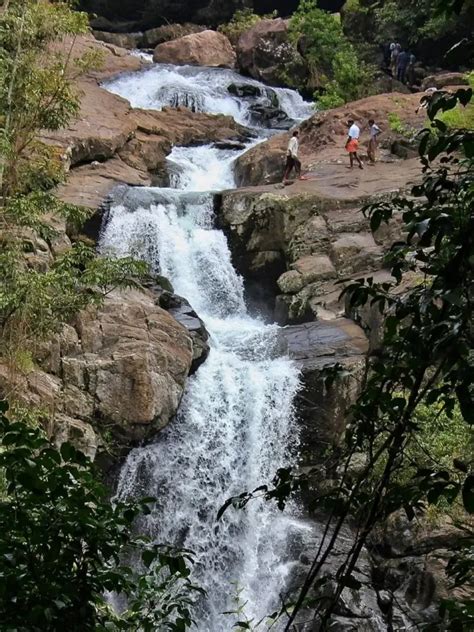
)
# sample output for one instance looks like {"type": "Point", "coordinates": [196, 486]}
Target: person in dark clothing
{"type": "Point", "coordinates": [402, 65]}
{"type": "Point", "coordinates": [387, 54]}
{"type": "Point", "coordinates": [411, 74]}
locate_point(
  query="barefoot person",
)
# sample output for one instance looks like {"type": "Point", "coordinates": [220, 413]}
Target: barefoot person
{"type": "Point", "coordinates": [373, 142]}
{"type": "Point", "coordinates": [352, 143]}
{"type": "Point", "coordinates": [292, 161]}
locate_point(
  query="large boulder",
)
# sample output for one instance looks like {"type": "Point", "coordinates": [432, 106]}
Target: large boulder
{"type": "Point", "coordinates": [265, 53]}
{"type": "Point", "coordinates": [123, 40]}
{"type": "Point", "coordinates": [445, 79]}
{"type": "Point", "coordinates": [116, 375]}
{"type": "Point", "coordinates": [208, 48]}
{"type": "Point", "coordinates": [263, 164]}
{"type": "Point", "coordinates": [168, 32]}
{"type": "Point", "coordinates": [124, 365]}
{"type": "Point", "coordinates": [323, 409]}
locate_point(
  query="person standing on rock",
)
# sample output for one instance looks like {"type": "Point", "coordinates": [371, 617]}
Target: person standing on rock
{"type": "Point", "coordinates": [374, 130]}
{"type": "Point", "coordinates": [395, 52]}
{"type": "Point", "coordinates": [352, 143]}
{"type": "Point", "coordinates": [411, 70]}
{"type": "Point", "coordinates": [403, 59]}
{"type": "Point", "coordinates": [292, 161]}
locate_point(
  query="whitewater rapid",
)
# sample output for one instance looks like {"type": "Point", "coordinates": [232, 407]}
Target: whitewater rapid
{"type": "Point", "coordinates": [202, 90]}
{"type": "Point", "coordinates": [236, 424]}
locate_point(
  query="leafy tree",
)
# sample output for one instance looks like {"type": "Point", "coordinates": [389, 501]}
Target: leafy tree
{"type": "Point", "coordinates": [422, 26]}
{"type": "Point", "coordinates": [334, 63]}
{"type": "Point", "coordinates": [37, 70]}
{"type": "Point", "coordinates": [423, 375]}
{"type": "Point", "coordinates": [62, 547]}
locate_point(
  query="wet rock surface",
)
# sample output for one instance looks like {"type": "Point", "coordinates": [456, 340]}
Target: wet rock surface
{"type": "Point", "coordinates": [322, 409]}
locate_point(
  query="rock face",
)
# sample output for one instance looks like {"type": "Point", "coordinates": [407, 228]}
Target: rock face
{"type": "Point", "coordinates": [123, 40]}
{"type": "Point", "coordinates": [322, 137]}
{"type": "Point", "coordinates": [299, 242]}
{"type": "Point", "coordinates": [116, 375]}
{"type": "Point", "coordinates": [208, 48]}
{"type": "Point", "coordinates": [322, 409]}
{"type": "Point", "coordinates": [149, 38]}
{"type": "Point", "coordinates": [265, 53]}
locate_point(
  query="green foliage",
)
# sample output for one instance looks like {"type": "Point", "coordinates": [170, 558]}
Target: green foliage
{"type": "Point", "coordinates": [462, 116]}
{"type": "Point", "coordinates": [408, 22]}
{"type": "Point", "coordinates": [35, 303]}
{"type": "Point", "coordinates": [334, 63]}
{"type": "Point", "coordinates": [38, 293]}
{"type": "Point", "coordinates": [62, 546]}
{"type": "Point", "coordinates": [441, 441]}
{"type": "Point", "coordinates": [351, 81]}
{"type": "Point", "coordinates": [35, 87]}
{"type": "Point", "coordinates": [242, 21]}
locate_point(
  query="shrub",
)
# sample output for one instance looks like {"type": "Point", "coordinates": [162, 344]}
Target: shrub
{"type": "Point", "coordinates": [242, 21]}
{"type": "Point", "coordinates": [334, 63]}
{"type": "Point", "coordinates": [62, 545]}
{"type": "Point", "coordinates": [462, 116]}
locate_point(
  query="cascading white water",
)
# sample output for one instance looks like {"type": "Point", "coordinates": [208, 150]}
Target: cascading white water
{"type": "Point", "coordinates": [236, 423]}
{"type": "Point", "coordinates": [202, 90]}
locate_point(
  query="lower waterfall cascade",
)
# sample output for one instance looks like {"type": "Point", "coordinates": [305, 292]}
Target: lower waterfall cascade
{"type": "Point", "coordinates": [236, 423]}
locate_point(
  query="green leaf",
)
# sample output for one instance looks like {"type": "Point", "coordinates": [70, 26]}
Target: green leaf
{"type": "Point", "coordinates": [466, 403]}
{"type": "Point", "coordinates": [148, 557]}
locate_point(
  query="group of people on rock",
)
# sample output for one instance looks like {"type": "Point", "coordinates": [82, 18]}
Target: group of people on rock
{"type": "Point", "coordinates": [399, 62]}
{"type": "Point", "coordinates": [352, 142]}
{"type": "Point", "coordinates": [351, 146]}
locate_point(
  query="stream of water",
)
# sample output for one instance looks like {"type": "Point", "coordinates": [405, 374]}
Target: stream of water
{"type": "Point", "coordinates": [236, 424]}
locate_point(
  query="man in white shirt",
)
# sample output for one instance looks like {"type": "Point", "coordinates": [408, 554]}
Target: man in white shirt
{"type": "Point", "coordinates": [352, 143]}
{"type": "Point", "coordinates": [292, 161]}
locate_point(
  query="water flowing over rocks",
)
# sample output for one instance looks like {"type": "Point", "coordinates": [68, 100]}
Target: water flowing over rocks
{"type": "Point", "coordinates": [208, 48]}
{"type": "Point", "coordinates": [111, 143]}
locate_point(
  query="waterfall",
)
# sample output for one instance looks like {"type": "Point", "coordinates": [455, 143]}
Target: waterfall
{"type": "Point", "coordinates": [202, 90]}
{"type": "Point", "coordinates": [236, 424]}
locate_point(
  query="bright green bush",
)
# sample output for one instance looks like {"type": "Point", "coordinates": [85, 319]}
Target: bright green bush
{"type": "Point", "coordinates": [334, 62]}
{"type": "Point", "coordinates": [461, 117]}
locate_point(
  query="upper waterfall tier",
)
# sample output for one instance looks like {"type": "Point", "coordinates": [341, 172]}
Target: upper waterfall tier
{"type": "Point", "coordinates": [205, 90]}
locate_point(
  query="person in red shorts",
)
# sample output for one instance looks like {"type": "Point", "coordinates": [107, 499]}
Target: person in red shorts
{"type": "Point", "coordinates": [352, 144]}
